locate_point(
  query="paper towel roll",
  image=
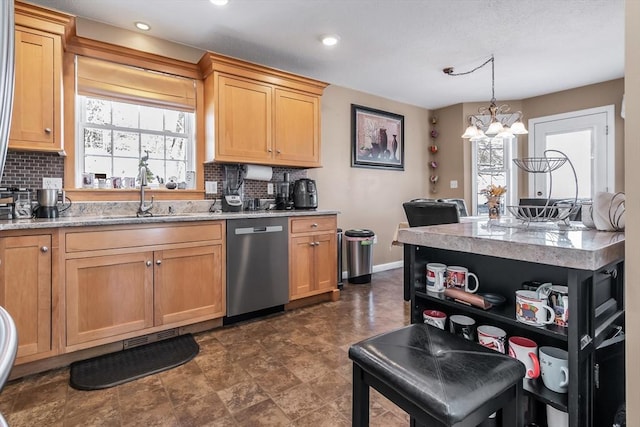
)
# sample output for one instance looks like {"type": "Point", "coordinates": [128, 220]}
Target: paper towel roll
{"type": "Point", "coordinates": [258, 172]}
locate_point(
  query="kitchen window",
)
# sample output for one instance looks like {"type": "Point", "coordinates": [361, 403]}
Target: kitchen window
{"type": "Point", "coordinates": [113, 137]}
{"type": "Point", "coordinates": [124, 113]}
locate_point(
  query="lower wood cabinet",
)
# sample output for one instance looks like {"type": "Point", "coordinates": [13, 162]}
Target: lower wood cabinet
{"type": "Point", "coordinates": [188, 284]}
{"type": "Point", "coordinates": [312, 256]}
{"type": "Point", "coordinates": [117, 292]}
{"type": "Point", "coordinates": [108, 295]}
{"type": "Point", "coordinates": [25, 291]}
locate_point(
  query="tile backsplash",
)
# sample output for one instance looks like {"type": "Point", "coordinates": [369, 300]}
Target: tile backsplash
{"type": "Point", "coordinates": [26, 170]}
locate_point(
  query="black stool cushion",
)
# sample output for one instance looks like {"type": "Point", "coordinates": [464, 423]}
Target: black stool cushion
{"type": "Point", "coordinates": [445, 375]}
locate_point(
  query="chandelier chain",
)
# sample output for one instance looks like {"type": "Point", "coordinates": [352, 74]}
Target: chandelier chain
{"type": "Point", "coordinates": [449, 72]}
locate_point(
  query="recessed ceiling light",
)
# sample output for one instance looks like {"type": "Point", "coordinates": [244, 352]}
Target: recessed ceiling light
{"type": "Point", "coordinates": [143, 26]}
{"type": "Point", "coordinates": [219, 2]}
{"type": "Point", "coordinates": [330, 40]}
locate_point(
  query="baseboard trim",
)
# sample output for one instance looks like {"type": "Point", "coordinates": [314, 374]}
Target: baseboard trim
{"type": "Point", "coordinates": [381, 267]}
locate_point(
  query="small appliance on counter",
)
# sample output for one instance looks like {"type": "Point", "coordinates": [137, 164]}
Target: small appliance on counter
{"type": "Point", "coordinates": [232, 188]}
{"type": "Point", "coordinates": [22, 207]}
{"type": "Point", "coordinates": [284, 200]}
{"type": "Point", "coordinates": [47, 203]}
{"type": "Point", "coordinates": [305, 195]}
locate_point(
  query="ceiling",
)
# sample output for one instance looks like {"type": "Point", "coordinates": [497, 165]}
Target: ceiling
{"type": "Point", "coordinates": [398, 48]}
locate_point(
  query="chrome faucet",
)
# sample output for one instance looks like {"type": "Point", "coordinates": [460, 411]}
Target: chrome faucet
{"type": "Point", "coordinates": [142, 209]}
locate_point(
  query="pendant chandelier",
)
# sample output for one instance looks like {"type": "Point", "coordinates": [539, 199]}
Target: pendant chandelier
{"type": "Point", "coordinates": [500, 116]}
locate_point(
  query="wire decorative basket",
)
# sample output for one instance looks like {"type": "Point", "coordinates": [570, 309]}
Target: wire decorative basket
{"type": "Point", "coordinates": [558, 211]}
{"type": "Point", "coordinates": [540, 164]}
{"type": "Point", "coordinates": [561, 211]}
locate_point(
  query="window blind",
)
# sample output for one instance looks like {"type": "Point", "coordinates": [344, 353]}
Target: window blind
{"type": "Point", "coordinates": [124, 83]}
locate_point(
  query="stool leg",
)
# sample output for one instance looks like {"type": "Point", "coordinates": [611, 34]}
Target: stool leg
{"type": "Point", "coordinates": [360, 410]}
{"type": "Point", "coordinates": [513, 413]}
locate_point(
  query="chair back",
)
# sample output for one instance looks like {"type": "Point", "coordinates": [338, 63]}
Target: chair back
{"type": "Point", "coordinates": [430, 213]}
{"type": "Point", "coordinates": [462, 206]}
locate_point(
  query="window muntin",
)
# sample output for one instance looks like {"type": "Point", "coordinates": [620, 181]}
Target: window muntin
{"type": "Point", "coordinates": [114, 135]}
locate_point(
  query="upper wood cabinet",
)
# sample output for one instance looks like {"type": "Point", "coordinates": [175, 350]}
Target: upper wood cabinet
{"type": "Point", "coordinates": [259, 115]}
{"type": "Point", "coordinates": [36, 123]}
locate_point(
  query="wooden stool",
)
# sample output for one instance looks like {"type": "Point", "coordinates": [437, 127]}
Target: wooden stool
{"type": "Point", "coordinates": [438, 378]}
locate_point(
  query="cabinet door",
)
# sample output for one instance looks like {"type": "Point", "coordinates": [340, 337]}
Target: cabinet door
{"type": "Point", "coordinates": [297, 129]}
{"type": "Point", "coordinates": [326, 261]}
{"type": "Point", "coordinates": [35, 122]}
{"type": "Point", "coordinates": [244, 121]}
{"type": "Point", "coordinates": [301, 257]}
{"type": "Point", "coordinates": [108, 296]}
{"type": "Point", "coordinates": [25, 290]}
{"type": "Point", "coordinates": [188, 285]}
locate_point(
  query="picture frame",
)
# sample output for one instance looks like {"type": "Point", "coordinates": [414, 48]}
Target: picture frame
{"type": "Point", "coordinates": [377, 139]}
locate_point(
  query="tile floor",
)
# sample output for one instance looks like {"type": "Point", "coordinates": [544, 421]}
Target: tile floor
{"type": "Point", "coordinates": [290, 369]}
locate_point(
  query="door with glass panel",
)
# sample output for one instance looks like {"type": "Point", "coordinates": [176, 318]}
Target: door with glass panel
{"type": "Point", "coordinates": [587, 138]}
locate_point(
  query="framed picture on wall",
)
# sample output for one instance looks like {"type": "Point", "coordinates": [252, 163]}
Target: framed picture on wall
{"type": "Point", "coordinates": [377, 139]}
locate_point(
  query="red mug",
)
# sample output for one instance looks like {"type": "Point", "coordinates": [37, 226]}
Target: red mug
{"type": "Point", "coordinates": [526, 351]}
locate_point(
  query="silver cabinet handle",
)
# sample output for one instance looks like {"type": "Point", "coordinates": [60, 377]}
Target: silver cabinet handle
{"type": "Point", "coordinates": [149, 263]}
{"type": "Point", "coordinates": [314, 225]}
{"type": "Point", "coordinates": [312, 243]}
{"type": "Point", "coordinates": [158, 261]}
{"type": "Point", "coordinates": [269, 150]}
{"type": "Point", "coordinates": [47, 130]}
{"type": "Point", "coordinates": [317, 243]}
{"type": "Point", "coordinates": [278, 151]}
{"type": "Point", "coordinates": [44, 249]}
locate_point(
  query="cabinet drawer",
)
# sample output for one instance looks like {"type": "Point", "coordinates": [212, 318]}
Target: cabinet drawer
{"type": "Point", "coordinates": [128, 237]}
{"type": "Point", "coordinates": [312, 224]}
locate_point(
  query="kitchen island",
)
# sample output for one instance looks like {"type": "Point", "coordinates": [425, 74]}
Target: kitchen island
{"type": "Point", "coordinates": [506, 254]}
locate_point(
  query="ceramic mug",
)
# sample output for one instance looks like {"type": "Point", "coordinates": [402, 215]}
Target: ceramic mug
{"type": "Point", "coordinates": [492, 337]}
{"type": "Point", "coordinates": [458, 277]}
{"type": "Point", "coordinates": [556, 417]}
{"type": "Point", "coordinates": [434, 318]}
{"type": "Point", "coordinates": [462, 326]}
{"type": "Point", "coordinates": [559, 302]}
{"type": "Point", "coordinates": [435, 277]}
{"type": "Point", "coordinates": [533, 310]}
{"type": "Point", "coordinates": [554, 367]}
{"type": "Point", "coordinates": [526, 351]}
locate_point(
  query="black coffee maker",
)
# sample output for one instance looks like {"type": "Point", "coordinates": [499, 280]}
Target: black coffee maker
{"type": "Point", "coordinates": [284, 201]}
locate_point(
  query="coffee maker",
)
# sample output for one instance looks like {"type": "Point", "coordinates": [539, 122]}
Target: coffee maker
{"type": "Point", "coordinates": [232, 188]}
{"type": "Point", "coordinates": [284, 201]}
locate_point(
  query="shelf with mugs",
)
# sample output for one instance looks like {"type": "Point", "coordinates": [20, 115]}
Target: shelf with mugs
{"type": "Point", "coordinates": [448, 309]}
{"type": "Point", "coordinates": [504, 314]}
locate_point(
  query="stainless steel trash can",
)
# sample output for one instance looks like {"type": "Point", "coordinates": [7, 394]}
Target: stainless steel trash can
{"type": "Point", "coordinates": [359, 255]}
{"type": "Point", "coordinates": [340, 283]}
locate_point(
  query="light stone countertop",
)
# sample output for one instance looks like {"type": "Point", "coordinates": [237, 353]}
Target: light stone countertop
{"type": "Point", "coordinates": [572, 246]}
{"type": "Point", "coordinates": [123, 213]}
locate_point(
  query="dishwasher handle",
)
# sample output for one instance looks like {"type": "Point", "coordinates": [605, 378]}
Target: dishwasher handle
{"type": "Point", "coordinates": [258, 230]}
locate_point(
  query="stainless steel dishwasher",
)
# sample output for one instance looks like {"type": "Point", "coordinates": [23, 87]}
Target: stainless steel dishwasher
{"type": "Point", "coordinates": [257, 265]}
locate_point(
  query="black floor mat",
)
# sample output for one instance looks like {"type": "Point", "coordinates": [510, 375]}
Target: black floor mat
{"type": "Point", "coordinates": [116, 368]}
